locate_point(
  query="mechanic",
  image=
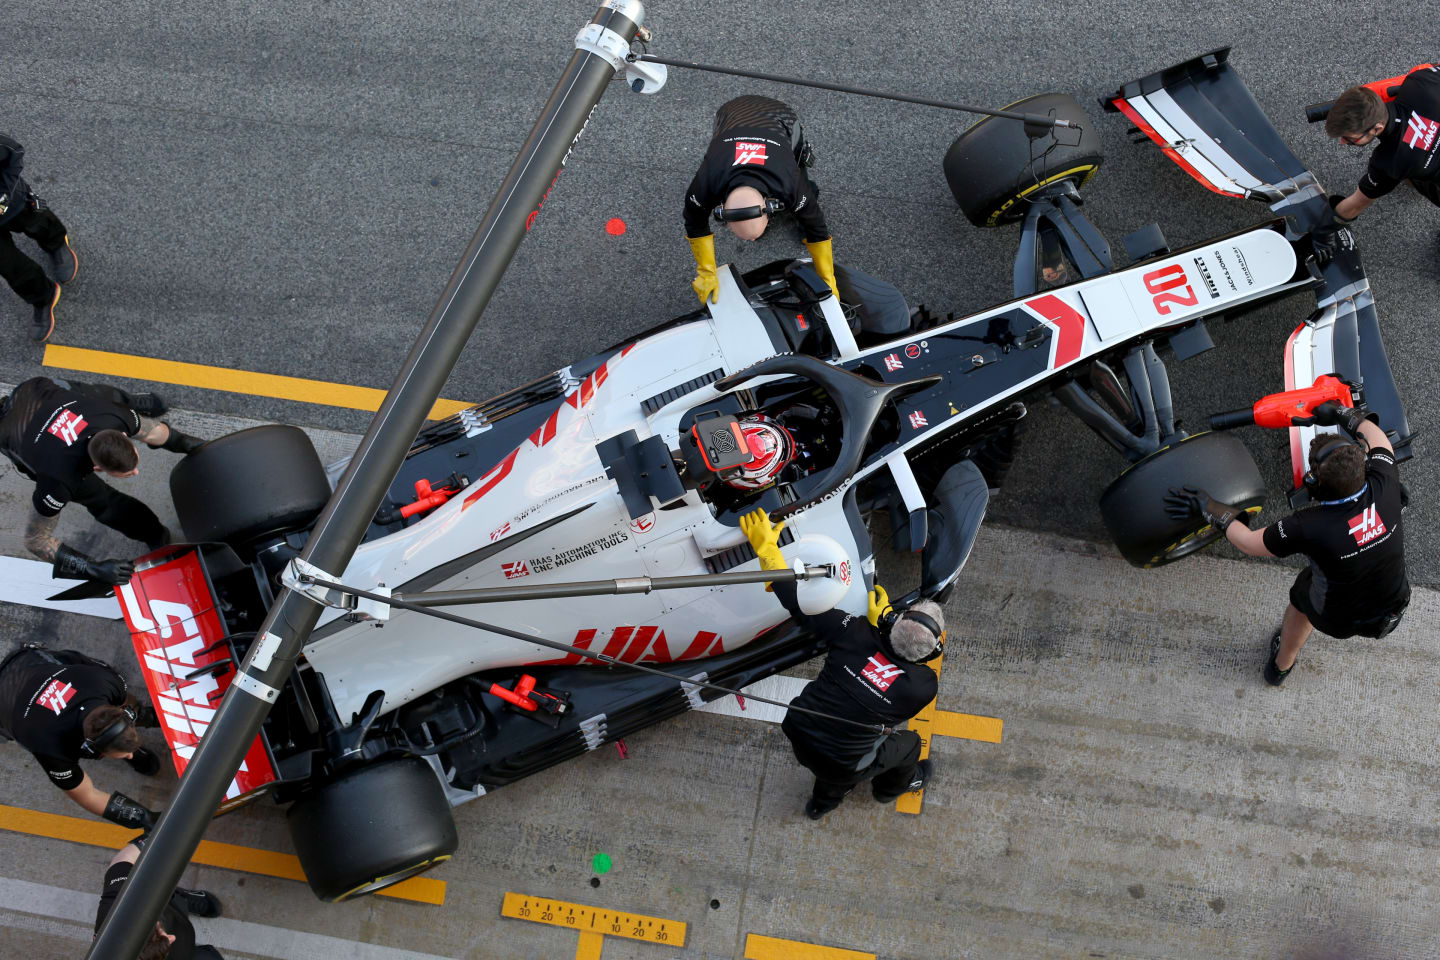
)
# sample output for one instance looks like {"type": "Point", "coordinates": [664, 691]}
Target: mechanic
{"type": "Point", "coordinates": [61, 434]}
{"type": "Point", "coordinates": [1406, 136]}
{"type": "Point", "coordinates": [871, 675]}
{"type": "Point", "coordinates": [23, 212]}
{"type": "Point", "coordinates": [755, 166]}
{"type": "Point", "coordinates": [1355, 583]}
{"type": "Point", "coordinates": [173, 935]}
{"type": "Point", "coordinates": [63, 707]}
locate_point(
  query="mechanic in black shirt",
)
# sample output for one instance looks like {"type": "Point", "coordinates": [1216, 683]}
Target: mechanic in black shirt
{"type": "Point", "coordinates": [61, 434]}
{"type": "Point", "coordinates": [173, 935]}
{"type": "Point", "coordinates": [23, 212]}
{"type": "Point", "coordinates": [754, 167]}
{"type": "Point", "coordinates": [1406, 137]}
{"type": "Point", "coordinates": [63, 707]}
{"type": "Point", "coordinates": [869, 677]}
{"type": "Point", "coordinates": [1355, 583]}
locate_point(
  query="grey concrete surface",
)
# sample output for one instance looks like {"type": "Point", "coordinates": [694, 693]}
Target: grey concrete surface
{"type": "Point", "coordinates": [1151, 798]}
{"type": "Point", "coordinates": [286, 187]}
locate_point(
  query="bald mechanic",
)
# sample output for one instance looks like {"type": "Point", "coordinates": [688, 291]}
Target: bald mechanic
{"type": "Point", "coordinates": [62, 435]}
{"type": "Point", "coordinates": [65, 707]}
{"type": "Point", "coordinates": [754, 166]}
{"type": "Point", "coordinates": [1355, 584]}
{"type": "Point", "coordinates": [873, 674]}
{"type": "Point", "coordinates": [1405, 135]}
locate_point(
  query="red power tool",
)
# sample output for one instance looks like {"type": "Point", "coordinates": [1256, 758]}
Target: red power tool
{"type": "Point", "coordinates": [1385, 89]}
{"type": "Point", "coordinates": [1281, 410]}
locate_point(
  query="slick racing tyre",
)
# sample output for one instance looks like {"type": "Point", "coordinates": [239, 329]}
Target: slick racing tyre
{"type": "Point", "coordinates": [250, 484]}
{"type": "Point", "coordinates": [1133, 506]}
{"type": "Point", "coordinates": [372, 827]}
{"type": "Point", "coordinates": [993, 166]}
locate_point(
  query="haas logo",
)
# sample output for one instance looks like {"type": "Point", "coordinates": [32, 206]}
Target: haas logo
{"type": "Point", "coordinates": [748, 153]}
{"type": "Point", "coordinates": [1419, 132]}
{"type": "Point", "coordinates": [56, 696]}
{"type": "Point", "coordinates": [880, 671]}
{"type": "Point", "coordinates": [67, 426]}
{"type": "Point", "coordinates": [1367, 525]}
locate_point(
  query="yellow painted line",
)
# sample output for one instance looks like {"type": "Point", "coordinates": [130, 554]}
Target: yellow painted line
{"type": "Point", "coordinates": [223, 378]}
{"type": "Point", "coordinates": [589, 946]}
{"type": "Point", "coordinates": [774, 948]}
{"type": "Point", "coordinates": [948, 723]}
{"type": "Point", "coordinates": [578, 916]}
{"type": "Point", "coordinates": [229, 856]}
{"type": "Point", "coordinates": [922, 723]}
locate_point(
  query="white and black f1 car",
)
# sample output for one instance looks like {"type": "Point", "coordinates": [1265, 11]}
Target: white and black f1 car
{"type": "Point", "coordinates": [638, 462]}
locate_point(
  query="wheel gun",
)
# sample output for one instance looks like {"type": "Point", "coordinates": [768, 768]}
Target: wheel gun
{"type": "Point", "coordinates": [1281, 410]}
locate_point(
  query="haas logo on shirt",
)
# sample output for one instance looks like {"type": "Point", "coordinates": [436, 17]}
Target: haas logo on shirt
{"type": "Point", "coordinates": [1367, 525]}
{"type": "Point", "coordinates": [1420, 132]}
{"type": "Point", "coordinates": [880, 671]}
{"type": "Point", "coordinates": [67, 426]}
{"type": "Point", "coordinates": [746, 153]}
{"type": "Point", "coordinates": [56, 696]}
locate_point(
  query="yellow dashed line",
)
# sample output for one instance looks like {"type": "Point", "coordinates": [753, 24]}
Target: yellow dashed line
{"type": "Point", "coordinates": [210, 853]}
{"type": "Point", "coordinates": [774, 948]}
{"type": "Point", "coordinates": [223, 378]}
{"type": "Point", "coordinates": [930, 723]}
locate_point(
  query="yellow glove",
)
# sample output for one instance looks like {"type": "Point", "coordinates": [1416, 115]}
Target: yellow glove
{"type": "Point", "coordinates": [824, 256]}
{"type": "Point", "coordinates": [876, 606]}
{"type": "Point", "coordinates": [706, 285]}
{"type": "Point", "coordinates": [764, 536]}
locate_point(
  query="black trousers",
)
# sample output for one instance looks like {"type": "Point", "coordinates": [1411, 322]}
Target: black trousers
{"type": "Point", "coordinates": [24, 275]}
{"type": "Point", "coordinates": [118, 511]}
{"type": "Point", "coordinates": [891, 770]}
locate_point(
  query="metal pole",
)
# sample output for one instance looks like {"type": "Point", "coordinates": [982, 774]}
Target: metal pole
{"type": "Point", "coordinates": [600, 51]}
{"type": "Point", "coordinates": [600, 588]}
{"type": "Point", "coordinates": [1033, 119]}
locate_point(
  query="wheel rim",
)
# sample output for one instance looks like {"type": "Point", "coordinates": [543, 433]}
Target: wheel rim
{"type": "Point", "coordinates": [390, 879]}
{"type": "Point", "coordinates": [1197, 539]}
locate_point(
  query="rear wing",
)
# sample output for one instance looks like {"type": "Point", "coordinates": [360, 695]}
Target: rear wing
{"type": "Point", "coordinates": [185, 656]}
{"type": "Point", "coordinates": [1203, 117]}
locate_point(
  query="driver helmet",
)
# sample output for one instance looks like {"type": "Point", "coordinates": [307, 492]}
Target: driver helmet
{"type": "Point", "coordinates": [771, 448]}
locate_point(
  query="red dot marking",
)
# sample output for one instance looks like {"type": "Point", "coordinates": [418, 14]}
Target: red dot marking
{"type": "Point", "coordinates": [615, 226]}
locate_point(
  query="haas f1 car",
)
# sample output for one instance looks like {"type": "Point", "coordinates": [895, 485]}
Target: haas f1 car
{"type": "Point", "coordinates": [637, 463]}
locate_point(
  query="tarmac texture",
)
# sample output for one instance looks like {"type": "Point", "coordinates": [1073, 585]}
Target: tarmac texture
{"type": "Point", "coordinates": [286, 187]}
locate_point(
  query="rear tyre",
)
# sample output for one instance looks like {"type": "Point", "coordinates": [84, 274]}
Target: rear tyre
{"type": "Point", "coordinates": [1133, 506]}
{"type": "Point", "coordinates": [993, 166]}
{"type": "Point", "coordinates": [250, 484]}
{"type": "Point", "coordinates": [371, 828]}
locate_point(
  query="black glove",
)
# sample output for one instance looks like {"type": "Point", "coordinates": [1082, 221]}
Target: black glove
{"type": "Point", "coordinates": [177, 442]}
{"type": "Point", "coordinates": [1334, 415]}
{"type": "Point", "coordinates": [1325, 237]}
{"type": "Point", "coordinates": [128, 813]}
{"type": "Point", "coordinates": [72, 564]}
{"type": "Point", "coordinates": [1185, 503]}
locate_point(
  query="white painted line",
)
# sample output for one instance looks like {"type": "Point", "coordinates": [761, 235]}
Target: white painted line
{"type": "Point", "coordinates": [29, 582]}
{"type": "Point", "coordinates": [230, 936]}
{"type": "Point", "coordinates": [779, 688]}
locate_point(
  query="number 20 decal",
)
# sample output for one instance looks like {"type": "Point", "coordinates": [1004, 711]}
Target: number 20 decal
{"type": "Point", "coordinates": [1161, 282]}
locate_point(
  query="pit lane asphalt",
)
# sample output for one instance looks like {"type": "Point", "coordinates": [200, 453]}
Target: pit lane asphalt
{"type": "Point", "coordinates": [287, 187]}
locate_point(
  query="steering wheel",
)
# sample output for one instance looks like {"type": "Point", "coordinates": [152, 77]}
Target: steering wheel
{"type": "Point", "coordinates": [859, 399]}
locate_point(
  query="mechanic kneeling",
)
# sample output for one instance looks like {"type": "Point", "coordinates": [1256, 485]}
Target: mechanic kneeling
{"type": "Point", "coordinates": [63, 707]}
{"type": "Point", "coordinates": [1355, 583]}
{"type": "Point", "coordinates": [61, 434]}
{"type": "Point", "coordinates": [871, 675]}
{"type": "Point", "coordinates": [754, 166]}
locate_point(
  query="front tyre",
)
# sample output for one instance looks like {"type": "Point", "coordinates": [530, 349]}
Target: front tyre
{"type": "Point", "coordinates": [1133, 506]}
{"type": "Point", "coordinates": [993, 166]}
{"type": "Point", "coordinates": [372, 827]}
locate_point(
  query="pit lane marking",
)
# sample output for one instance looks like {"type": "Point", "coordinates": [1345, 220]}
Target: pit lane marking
{"type": "Point", "coordinates": [776, 948]}
{"type": "Point", "coordinates": [23, 902]}
{"type": "Point", "coordinates": [931, 722]}
{"type": "Point", "coordinates": [274, 385]}
{"type": "Point", "coordinates": [594, 924]}
{"type": "Point", "coordinates": [210, 853]}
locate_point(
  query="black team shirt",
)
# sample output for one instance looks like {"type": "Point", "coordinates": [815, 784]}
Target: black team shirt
{"type": "Point", "coordinates": [1356, 547]}
{"type": "Point", "coordinates": [862, 679]}
{"type": "Point", "coordinates": [43, 706]}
